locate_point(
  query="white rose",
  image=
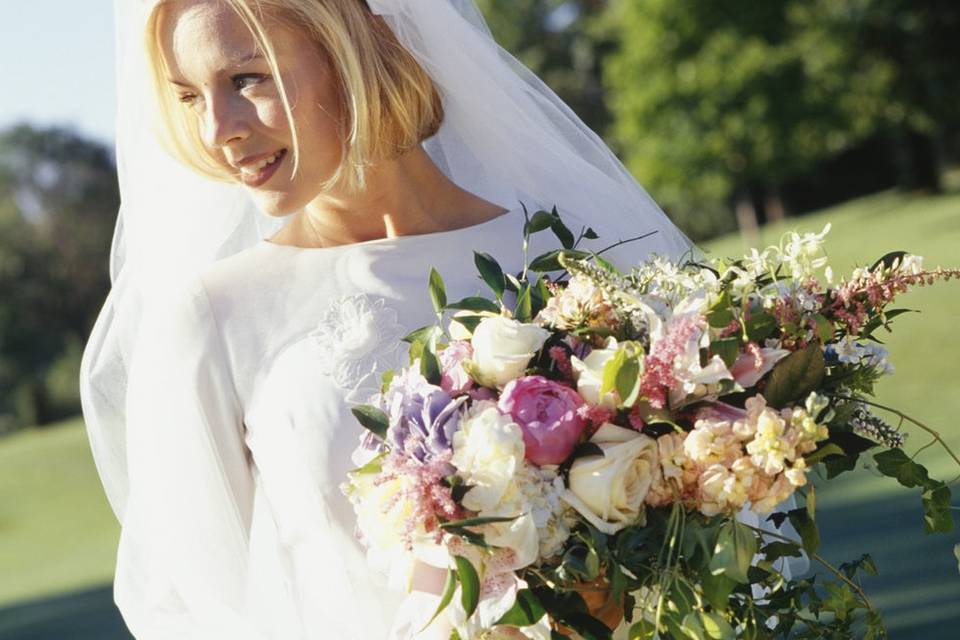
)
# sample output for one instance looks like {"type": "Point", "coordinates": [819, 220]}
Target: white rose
{"type": "Point", "coordinates": [487, 452]}
{"type": "Point", "coordinates": [503, 347]}
{"type": "Point", "coordinates": [589, 375]}
{"type": "Point", "coordinates": [609, 490]}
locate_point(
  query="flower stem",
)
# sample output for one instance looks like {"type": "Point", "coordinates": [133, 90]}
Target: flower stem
{"type": "Point", "coordinates": [850, 583]}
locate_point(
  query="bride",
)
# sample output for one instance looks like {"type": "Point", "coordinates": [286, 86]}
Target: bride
{"type": "Point", "coordinates": [337, 150]}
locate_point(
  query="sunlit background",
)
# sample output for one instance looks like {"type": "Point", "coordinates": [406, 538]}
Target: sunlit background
{"type": "Point", "coordinates": [741, 118]}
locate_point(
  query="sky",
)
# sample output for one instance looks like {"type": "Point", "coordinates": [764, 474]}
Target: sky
{"type": "Point", "coordinates": [57, 62]}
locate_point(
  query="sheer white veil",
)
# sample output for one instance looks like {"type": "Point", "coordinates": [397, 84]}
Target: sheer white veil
{"type": "Point", "coordinates": [506, 137]}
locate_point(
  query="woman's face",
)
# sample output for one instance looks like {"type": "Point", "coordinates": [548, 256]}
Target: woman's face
{"type": "Point", "coordinates": [219, 74]}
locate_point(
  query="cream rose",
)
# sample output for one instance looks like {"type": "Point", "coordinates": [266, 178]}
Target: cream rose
{"type": "Point", "coordinates": [589, 375]}
{"type": "Point", "coordinates": [502, 349]}
{"type": "Point", "coordinates": [609, 490]}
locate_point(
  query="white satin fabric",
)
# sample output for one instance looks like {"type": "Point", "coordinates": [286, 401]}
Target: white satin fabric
{"type": "Point", "coordinates": [241, 395]}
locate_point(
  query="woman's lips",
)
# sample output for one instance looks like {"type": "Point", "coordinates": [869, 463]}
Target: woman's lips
{"type": "Point", "coordinates": [261, 175]}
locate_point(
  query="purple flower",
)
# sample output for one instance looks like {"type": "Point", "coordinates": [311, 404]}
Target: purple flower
{"type": "Point", "coordinates": [547, 414]}
{"type": "Point", "coordinates": [423, 418]}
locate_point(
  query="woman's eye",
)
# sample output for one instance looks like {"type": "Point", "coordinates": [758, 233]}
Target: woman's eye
{"type": "Point", "coordinates": [188, 99]}
{"type": "Point", "coordinates": [244, 80]}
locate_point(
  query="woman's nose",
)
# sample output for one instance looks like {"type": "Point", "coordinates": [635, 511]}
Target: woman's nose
{"type": "Point", "coordinates": [224, 123]}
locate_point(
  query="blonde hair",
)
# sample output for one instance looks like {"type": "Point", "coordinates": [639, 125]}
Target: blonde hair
{"type": "Point", "coordinates": [390, 103]}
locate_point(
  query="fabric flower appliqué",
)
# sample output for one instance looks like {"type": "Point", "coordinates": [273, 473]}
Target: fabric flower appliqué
{"type": "Point", "coordinates": [360, 337]}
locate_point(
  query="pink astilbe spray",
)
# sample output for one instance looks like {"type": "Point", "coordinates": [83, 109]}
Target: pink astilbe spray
{"type": "Point", "coordinates": [658, 378]}
{"type": "Point", "coordinates": [869, 292]}
{"type": "Point", "coordinates": [426, 490]}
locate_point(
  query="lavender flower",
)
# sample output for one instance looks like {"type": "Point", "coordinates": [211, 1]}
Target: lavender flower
{"type": "Point", "coordinates": [423, 418]}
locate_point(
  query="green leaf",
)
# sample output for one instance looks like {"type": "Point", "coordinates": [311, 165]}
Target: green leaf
{"type": "Point", "coordinates": [829, 449]}
{"type": "Point", "coordinates": [546, 262]}
{"type": "Point", "coordinates": [438, 292]}
{"type": "Point", "coordinates": [587, 626]}
{"type": "Point", "coordinates": [888, 260]}
{"type": "Point", "coordinates": [468, 322]}
{"type": "Point", "coordinates": [733, 555]}
{"type": "Point", "coordinates": [469, 585]}
{"type": "Point", "coordinates": [717, 589]}
{"type": "Point", "coordinates": [590, 234]}
{"type": "Point", "coordinates": [491, 272]}
{"type": "Point", "coordinates": [825, 328]}
{"type": "Point", "coordinates": [642, 630]}
{"type": "Point", "coordinates": [476, 522]}
{"type": "Point", "coordinates": [806, 527]}
{"type": "Point", "coordinates": [422, 335]}
{"type": "Point", "coordinates": [430, 366]}
{"type": "Point", "coordinates": [937, 516]}
{"type": "Point", "coordinates": [760, 326]}
{"type": "Point", "coordinates": [538, 222]}
{"type": "Point", "coordinates": [475, 303]}
{"type": "Point", "coordinates": [564, 235]}
{"type": "Point", "coordinates": [449, 588]}
{"type": "Point", "coordinates": [776, 550]}
{"type": "Point", "coordinates": [727, 348]}
{"type": "Point", "coordinates": [895, 463]}
{"type": "Point", "coordinates": [526, 610]}
{"type": "Point", "coordinates": [372, 419]}
{"type": "Point", "coordinates": [628, 381]}
{"type": "Point", "coordinates": [838, 465]}
{"type": "Point", "coordinates": [611, 371]}
{"type": "Point", "coordinates": [524, 309]}
{"type": "Point", "coordinates": [715, 626]}
{"type": "Point", "coordinates": [795, 376]}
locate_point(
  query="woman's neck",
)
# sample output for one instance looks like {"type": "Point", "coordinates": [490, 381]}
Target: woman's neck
{"type": "Point", "coordinates": [405, 196]}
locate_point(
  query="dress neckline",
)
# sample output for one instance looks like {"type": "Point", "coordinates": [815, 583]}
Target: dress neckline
{"type": "Point", "coordinates": [432, 235]}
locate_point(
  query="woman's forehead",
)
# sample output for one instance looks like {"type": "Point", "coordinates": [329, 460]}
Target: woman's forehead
{"type": "Point", "coordinates": [204, 33]}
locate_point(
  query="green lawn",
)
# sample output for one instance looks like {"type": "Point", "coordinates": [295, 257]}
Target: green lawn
{"type": "Point", "coordinates": [57, 533]}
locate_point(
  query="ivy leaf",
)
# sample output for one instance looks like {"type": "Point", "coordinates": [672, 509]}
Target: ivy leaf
{"type": "Point", "coordinates": [828, 449]}
{"type": "Point", "coordinates": [372, 419]}
{"type": "Point", "coordinates": [491, 272]}
{"type": "Point", "coordinates": [717, 589]}
{"type": "Point", "coordinates": [937, 517]}
{"type": "Point", "coordinates": [806, 527]}
{"type": "Point", "coordinates": [590, 234]}
{"type": "Point", "coordinates": [733, 555]}
{"type": "Point", "coordinates": [526, 610]}
{"type": "Point", "coordinates": [438, 292]}
{"type": "Point", "coordinates": [469, 585]}
{"type": "Point", "coordinates": [795, 376]}
{"type": "Point", "coordinates": [895, 463]}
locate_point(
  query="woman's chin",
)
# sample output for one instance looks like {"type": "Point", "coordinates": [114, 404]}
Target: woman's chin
{"type": "Point", "coordinates": [274, 204]}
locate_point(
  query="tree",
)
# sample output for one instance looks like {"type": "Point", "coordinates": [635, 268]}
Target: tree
{"type": "Point", "coordinates": [58, 204]}
{"type": "Point", "coordinates": [560, 42]}
{"type": "Point", "coordinates": [714, 101]}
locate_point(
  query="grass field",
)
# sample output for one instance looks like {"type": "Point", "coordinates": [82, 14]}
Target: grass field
{"type": "Point", "coordinates": [58, 536]}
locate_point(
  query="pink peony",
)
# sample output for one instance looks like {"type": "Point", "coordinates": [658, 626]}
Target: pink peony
{"type": "Point", "coordinates": [548, 415]}
{"type": "Point", "coordinates": [453, 377]}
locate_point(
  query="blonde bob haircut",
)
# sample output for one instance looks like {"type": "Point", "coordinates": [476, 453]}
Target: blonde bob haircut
{"type": "Point", "coordinates": [390, 102]}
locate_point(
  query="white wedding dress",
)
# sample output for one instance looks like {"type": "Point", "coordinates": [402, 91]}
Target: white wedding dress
{"type": "Point", "coordinates": [241, 433]}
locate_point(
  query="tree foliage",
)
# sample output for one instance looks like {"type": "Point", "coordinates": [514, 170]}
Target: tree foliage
{"type": "Point", "coordinates": [58, 204]}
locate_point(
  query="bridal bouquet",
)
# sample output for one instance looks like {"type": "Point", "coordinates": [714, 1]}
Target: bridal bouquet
{"type": "Point", "coordinates": [583, 449]}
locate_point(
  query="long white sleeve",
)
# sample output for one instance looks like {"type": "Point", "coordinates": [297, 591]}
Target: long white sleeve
{"type": "Point", "coordinates": [182, 561]}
